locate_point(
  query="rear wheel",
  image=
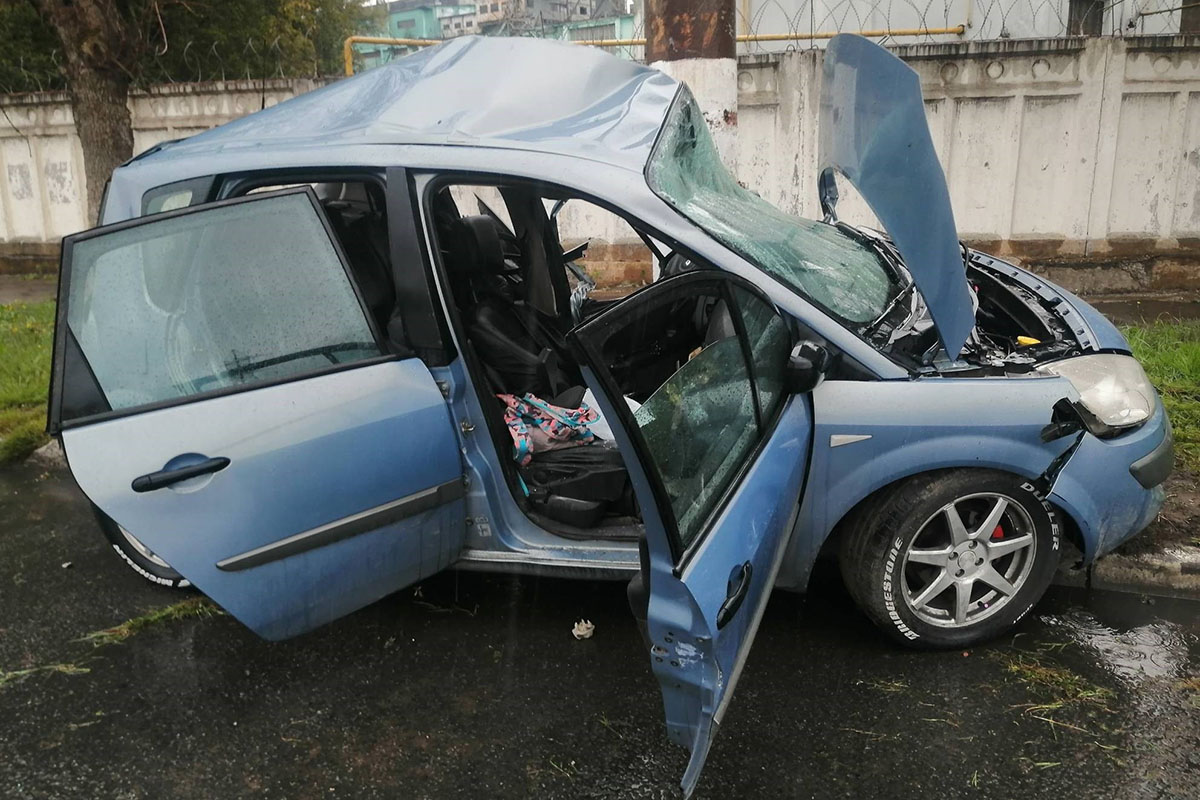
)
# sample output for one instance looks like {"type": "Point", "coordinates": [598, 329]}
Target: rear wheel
{"type": "Point", "coordinates": [951, 559]}
{"type": "Point", "coordinates": [137, 556]}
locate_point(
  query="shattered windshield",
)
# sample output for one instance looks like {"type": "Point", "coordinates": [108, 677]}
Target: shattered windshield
{"type": "Point", "coordinates": [818, 260]}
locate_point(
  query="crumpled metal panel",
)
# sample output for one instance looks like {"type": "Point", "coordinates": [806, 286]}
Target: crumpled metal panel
{"type": "Point", "coordinates": [874, 132]}
{"type": "Point", "coordinates": [521, 93]}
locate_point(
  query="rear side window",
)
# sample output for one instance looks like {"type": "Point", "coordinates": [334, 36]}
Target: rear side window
{"type": "Point", "coordinates": [181, 194]}
{"type": "Point", "coordinates": [214, 298]}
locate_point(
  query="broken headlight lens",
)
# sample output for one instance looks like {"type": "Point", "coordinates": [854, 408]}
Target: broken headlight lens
{"type": "Point", "coordinates": [1113, 388]}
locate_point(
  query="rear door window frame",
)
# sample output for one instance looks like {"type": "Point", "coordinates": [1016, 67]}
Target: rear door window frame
{"type": "Point", "coordinates": [79, 371]}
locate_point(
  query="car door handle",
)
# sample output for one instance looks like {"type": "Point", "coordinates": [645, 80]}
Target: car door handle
{"type": "Point", "coordinates": [166, 477]}
{"type": "Point", "coordinates": [739, 587]}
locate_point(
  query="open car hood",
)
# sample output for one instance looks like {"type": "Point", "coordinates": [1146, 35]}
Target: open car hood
{"type": "Point", "coordinates": [874, 132]}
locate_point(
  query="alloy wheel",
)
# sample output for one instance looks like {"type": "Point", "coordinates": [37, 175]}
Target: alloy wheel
{"type": "Point", "coordinates": [145, 552]}
{"type": "Point", "coordinates": [968, 560]}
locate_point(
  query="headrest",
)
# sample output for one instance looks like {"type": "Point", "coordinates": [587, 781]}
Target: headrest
{"type": "Point", "coordinates": [475, 247]}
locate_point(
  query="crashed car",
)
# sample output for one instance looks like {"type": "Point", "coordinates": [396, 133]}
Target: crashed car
{"type": "Point", "coordinates": [322, 352]}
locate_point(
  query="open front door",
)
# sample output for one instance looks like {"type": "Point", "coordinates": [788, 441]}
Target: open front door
{"type": "Point", "coordinates": [223, 396]}
{"type": "Point", "coordinates": [722, 453]}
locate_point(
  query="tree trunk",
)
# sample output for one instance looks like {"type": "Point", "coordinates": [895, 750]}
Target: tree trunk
{"type": "Point", "coordinates": [100, 104]}
{"type": "Point", "coordinates": [96, 43]}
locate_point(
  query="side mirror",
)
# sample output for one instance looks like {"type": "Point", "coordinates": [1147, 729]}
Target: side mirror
{"type": "Point", "coordinates": [806, 367]}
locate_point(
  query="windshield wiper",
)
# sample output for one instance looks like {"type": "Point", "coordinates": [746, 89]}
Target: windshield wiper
{"type": "Point", "coordinates": [902, 294]}
{"type": "Point", "coordinates": [891, 260]}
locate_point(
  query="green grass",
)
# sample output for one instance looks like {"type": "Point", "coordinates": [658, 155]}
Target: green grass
{"type": "Point", "coordinates": [185, 609]}
{"type": "Point", "coordinates": [26, 331]}
{"type": "Point", "coordinates": [1170, 352]}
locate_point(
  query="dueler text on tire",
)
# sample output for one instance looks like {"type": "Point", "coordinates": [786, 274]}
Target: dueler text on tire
{"type": "Point", "coordinates": [137, 556]}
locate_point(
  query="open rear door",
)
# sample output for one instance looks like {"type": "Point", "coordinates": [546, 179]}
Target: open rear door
{"type": "Point", "coordinates": [223, 396]}
{"type": "Point", "coordinates": [722, 453]}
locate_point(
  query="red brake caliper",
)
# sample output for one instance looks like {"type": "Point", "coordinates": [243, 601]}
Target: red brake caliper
{"type": "Point", "coordinates": [998, 533]}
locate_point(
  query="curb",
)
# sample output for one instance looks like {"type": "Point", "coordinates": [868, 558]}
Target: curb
{"type": "Point", "coordinates": [1173, 572]}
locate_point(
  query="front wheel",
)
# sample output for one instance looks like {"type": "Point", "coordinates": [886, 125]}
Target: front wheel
{"type": "Point", "coordinates": [137, 556]}
{"type": "Point", "coordinates": [951, 559]}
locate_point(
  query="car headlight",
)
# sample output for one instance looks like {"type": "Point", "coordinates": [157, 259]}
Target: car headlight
{"type": "Point", "coordinates": [1113, 388]}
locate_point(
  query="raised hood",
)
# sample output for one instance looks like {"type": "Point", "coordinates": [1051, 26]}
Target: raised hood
{"type": "Point", "coordinates": [873, 131]}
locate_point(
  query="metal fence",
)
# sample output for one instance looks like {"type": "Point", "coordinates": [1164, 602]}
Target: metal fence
{"type": "Point", "coordinates": [981, 19]}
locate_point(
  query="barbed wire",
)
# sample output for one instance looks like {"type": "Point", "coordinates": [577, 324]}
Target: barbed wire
{"type": "Point", "coordinates": [928, 20]}
{"type": "Point", "coordinates": [185, 62]}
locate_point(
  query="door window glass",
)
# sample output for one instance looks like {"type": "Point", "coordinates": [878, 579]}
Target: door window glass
{"type": "Point", "coordinates": [236, 294]}
{"type": "Point", "coordinates": [675, 354]}
{"type": "Point", "coordinates": [699, 427]}
{"type": "Point", "coordinates": [770, 345]}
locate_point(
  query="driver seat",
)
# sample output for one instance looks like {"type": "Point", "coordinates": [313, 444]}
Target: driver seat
{"type": "Point", "coordinates": [520, 352]}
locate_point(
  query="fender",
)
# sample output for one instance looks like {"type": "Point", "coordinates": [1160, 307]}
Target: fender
{"type": "Point", "coordinates": [868, 434]}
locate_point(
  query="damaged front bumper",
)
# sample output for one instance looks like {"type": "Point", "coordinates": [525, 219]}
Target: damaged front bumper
{"type": "Point", "coordinates": [1112, 488]}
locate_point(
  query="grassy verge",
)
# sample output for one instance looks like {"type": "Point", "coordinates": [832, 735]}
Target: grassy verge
{"type": "Point", "coordinates": [1170, 352]}
{"type": "Point", "coordinates": [26, 331]}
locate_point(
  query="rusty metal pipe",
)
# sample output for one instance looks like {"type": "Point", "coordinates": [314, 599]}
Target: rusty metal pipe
{"type": "Point", "coordinates": [348, 46]}
{"type": "Point", "coordinates": [680, 29]}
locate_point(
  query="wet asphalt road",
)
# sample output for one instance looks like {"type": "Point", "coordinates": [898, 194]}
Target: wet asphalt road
{"type": "Point", "coordinates": [476, 688]}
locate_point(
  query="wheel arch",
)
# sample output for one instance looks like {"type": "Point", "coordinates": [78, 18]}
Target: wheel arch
{"type": "Point", "coordinates": [825, 515]}
{"type": "Point", "coordinates": [868, 437]}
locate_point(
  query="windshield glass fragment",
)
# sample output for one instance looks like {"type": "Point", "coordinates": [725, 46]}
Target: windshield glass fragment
{"type": "Point", "coordinates": [817, 259]}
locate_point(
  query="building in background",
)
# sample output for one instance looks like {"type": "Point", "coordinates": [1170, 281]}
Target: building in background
{"type": "Point", "coordinates": [413, 19]}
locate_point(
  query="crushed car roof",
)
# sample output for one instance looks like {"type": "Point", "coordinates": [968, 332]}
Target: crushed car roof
{"type": "Point", "coordinates": [512, 93]}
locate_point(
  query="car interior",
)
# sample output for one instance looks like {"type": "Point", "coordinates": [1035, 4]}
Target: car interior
{"type": "Point", "coordinates": [516, 293]}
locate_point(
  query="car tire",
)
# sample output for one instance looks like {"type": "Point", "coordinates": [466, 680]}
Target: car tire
{"type": "Point", "coordinates": [137, 556]}
{"type": "Point", "coordinates": [929, 582]}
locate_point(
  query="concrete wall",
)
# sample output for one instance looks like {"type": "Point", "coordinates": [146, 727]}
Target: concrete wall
{"type": "Point", "coordinates": [42, 182]}
{"type": "Point", "coordinates": [1079, 156]}
{"type": "Point", "coordinates": [1063, 153]}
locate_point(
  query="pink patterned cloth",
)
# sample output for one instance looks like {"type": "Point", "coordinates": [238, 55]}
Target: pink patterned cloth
{"type": "Point", "coordinates": [536, 425]}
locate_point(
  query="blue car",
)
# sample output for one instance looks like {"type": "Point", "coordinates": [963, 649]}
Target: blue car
{"type": "Point", "coordinates": [325, 351]}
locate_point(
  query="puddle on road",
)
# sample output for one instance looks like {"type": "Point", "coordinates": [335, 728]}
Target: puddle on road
{"type": "Point", "coordinates": [1133, 638]}
{"type": "Point", "coordinates": [1154, 650]}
